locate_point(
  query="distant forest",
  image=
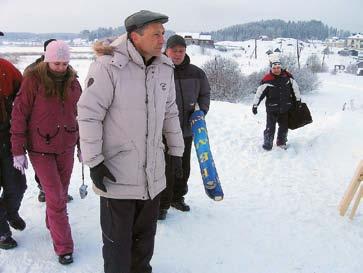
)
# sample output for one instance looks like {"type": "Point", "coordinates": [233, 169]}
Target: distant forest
{"type": "Point", "coordinates": [278, 28]}
{"type": "Point", "coordinates": [272, 28]}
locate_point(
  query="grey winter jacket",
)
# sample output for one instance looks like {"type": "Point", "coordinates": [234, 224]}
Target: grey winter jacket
{"type": "Point", "coordinates": [123, 112]}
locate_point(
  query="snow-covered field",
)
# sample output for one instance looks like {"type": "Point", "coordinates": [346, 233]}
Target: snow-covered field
{"type": "Point", "coordinates": [279, 214]}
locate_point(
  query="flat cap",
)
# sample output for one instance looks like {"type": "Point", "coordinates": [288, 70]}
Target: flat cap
{"type": "Point", "coordinates": [175, 40]}
{"type": "Point", "coordinates": [142, 18]}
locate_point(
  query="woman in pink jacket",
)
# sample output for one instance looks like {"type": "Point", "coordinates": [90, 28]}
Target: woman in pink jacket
{"type": "Point", "coordinates": [44, 124]}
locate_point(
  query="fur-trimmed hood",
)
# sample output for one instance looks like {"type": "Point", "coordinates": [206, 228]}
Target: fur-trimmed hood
{"type": "Point", "coordinates": [123, 46]}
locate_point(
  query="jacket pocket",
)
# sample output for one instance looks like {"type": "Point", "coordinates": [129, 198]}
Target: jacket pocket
{"type": "Point", "coordinates": [123, 163]}
{"type": "Point", "coordinates": [71, 135]}
{"type": "Point", "coordinates": [159, 162]}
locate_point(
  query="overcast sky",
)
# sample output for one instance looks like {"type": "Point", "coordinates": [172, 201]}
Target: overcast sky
{"type": "Point", "coordinates": [41, 16]}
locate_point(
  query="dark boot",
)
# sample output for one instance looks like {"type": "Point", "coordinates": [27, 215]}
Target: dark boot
{"type": "Point", "coordinates": [69, 198]}
{"type": "Point", "coordinates": [281, 142]}
{"type": "Point", "coordinates": [17, 222]}
{"type": "Point", "coordinates": [267, 146]}
{"type": "Point", "coordinates": [7, 242]}
{"type": "Point", "coordinates": [65, 259]}
{"type": "Point", "coordinates": [41, 196]}
{"type": "Point", "coordinates": [162, 214]}
{"type": "Point", "coordinates": [180, 205]}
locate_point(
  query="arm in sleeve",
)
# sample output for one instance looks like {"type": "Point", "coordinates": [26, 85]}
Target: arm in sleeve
{"type": "Point", "coordinates": [204, 94]}
{"type": "Point", "coordinates": [92, 108]}
{"type": "Point", "coordinates": [20, 115]}
{"type": "Point", "coordinates": [171, 126]}
{"type": "Point", "coordinates": [17, 80]}
{"type": "Point", "coordinates": [295, 89]}
{"type": "Point", "coordinates": [260, 93]}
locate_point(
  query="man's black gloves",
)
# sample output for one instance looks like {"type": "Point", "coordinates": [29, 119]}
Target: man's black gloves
{"type": "Point", "coordinates": [254, 109]}
{"type": "Point", "coordinates": [298, 103]}
{"type": "Point", "coordinates": [97, 174]}
{"type": "Point", "coordinates": [176, 166]}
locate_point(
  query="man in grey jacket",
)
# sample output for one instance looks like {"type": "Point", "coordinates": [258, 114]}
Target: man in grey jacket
{"type": "Point", "coordinates": [126, 107]}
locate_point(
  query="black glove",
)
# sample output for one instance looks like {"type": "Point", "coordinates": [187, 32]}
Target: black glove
{"type": "Point", "coordinates": [176, 166]}
{"type": "Point", "coordinates": [298, 103]}
{"type": "Point", "coordinates": [98, 173]}
{"type": "Point", "coordinates": [254, 109]}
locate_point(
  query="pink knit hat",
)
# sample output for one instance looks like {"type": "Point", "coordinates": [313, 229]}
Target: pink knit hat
{"type": "Point", "coordinates": [57, 51]}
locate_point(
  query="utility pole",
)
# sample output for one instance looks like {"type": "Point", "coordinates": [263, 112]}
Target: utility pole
{"type": "Point", "coordinates": [298, 53]}
{"type": "Point", "coordinates": [255, 48]}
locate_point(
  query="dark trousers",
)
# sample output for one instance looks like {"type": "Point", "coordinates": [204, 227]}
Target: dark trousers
{"type": "Point", "coordinates": [128, 232]}
{"type": "Point", "coordinates": [13, 186]}
{"type": "Point", "coordinates": [269, 133]}
{"type": "Point", "coordinates": [176, 188]}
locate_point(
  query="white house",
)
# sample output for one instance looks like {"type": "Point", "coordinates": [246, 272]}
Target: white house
{"type": "Point", "coordinates": [192, 38]}
{"type": "Point", "coordinates": [355, 41]}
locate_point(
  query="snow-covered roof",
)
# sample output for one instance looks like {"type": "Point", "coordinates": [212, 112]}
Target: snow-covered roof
{"type": "Point", "coordinates": [356, 36]}
{"type": "Point", "coordinates": [195, 35]}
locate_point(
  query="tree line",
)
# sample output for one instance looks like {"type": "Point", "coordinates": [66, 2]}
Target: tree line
{"type": "Point", "coordinates": [302, 30]}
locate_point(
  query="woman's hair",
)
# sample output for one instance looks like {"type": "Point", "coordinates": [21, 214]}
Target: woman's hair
{"type": "Point", "coordinates": [43, 73]}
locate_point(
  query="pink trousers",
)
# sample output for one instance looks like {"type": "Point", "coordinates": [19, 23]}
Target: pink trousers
{"type": "Point", "coordinates": [54, 172]}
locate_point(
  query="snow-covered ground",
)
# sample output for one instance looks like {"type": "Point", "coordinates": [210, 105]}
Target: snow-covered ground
{"type": "Point", "coordinates": [279, 214]}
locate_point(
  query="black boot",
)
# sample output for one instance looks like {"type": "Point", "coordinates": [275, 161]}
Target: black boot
{"type": "Point", "coordinates": [65, 259]}
{"type": "Point", "coordinates": [281, 145]}
{"type": "Point", "coordinates": [7, 242]}
{"type": "Point", "coordinates": [17, 222]}
{"type": "Point", "coordinates": [69, 198]}
{"type": "Point", "coordinates": [162, 214]}
{"type": "Point", "coordinates": [41, 196]}
{"type": "Point", "coordinates": [281, 141]}
{"type": "Point", "coordinates": [267, 146]}
{"type": "Point", "coordinates": [180, 205]}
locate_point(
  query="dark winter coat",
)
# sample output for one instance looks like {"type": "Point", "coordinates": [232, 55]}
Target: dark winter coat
{"type": "Point", "coordinates": [10, 80]}
{"type": "Point", "coordinates": [192, 86]}
{"type": "Point", "coordinates": [44, 124]}
{"type": "Point", "coordinates": [280, 92]}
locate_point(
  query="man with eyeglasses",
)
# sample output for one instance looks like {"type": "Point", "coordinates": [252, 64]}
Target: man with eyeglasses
{"type": "Point", "coordinates": [280, 90]}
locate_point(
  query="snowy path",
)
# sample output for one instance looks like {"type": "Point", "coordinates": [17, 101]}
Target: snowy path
{"type": "Point", "coordinates": [280, 209]}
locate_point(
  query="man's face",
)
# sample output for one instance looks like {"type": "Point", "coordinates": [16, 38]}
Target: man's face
{"type": "Point", "coordinates": [176, 54]}
{"type": "Point", "coordinates": [276, 69]}
{"type": "Point", "coordinates": [150, 43]}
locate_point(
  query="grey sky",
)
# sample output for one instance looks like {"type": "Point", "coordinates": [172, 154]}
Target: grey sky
{"type": "Point", "coordinates": [184, 16]}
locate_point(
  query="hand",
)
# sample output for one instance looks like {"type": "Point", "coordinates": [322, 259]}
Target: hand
{"type": "Point", "coordinates": [98, 173]}
{"type": "Point", "coordinates": [20, 163]}
{"type": "Point", "coordinates": [298, 103]}
{"type": "Point", "coordinates": [254, 109]}
{"type": "Point", "coordinates": [177, 166]}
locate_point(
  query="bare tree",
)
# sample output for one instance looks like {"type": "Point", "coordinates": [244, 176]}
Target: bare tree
{"type": "Point", "coordinates": [225, 79]}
